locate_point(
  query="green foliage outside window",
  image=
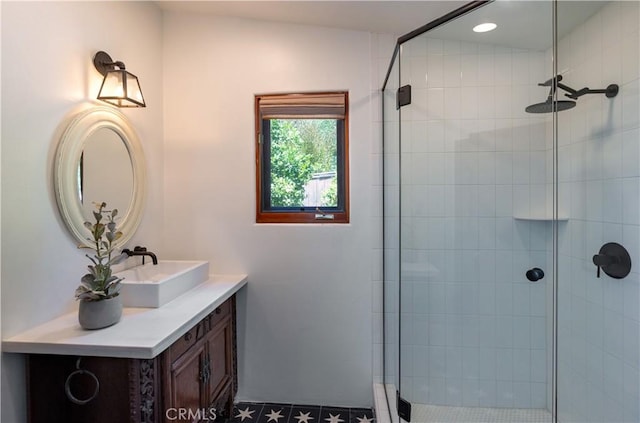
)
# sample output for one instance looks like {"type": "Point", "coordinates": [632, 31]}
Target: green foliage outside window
{"type": "Point", "coordinates": [301, 148]}
{"type": "Point", "coordinates": [330, 196]}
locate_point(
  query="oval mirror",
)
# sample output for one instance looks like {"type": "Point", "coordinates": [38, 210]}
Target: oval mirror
{"type": "Point", "coordinates": [99, 159]}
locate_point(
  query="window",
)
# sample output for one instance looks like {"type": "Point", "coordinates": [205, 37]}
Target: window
{"type": "Point", "coordinates": [302, 156]}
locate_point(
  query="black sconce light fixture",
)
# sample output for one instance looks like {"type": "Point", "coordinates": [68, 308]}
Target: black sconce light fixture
{"type": "Point", "coordinates": [119, 87]}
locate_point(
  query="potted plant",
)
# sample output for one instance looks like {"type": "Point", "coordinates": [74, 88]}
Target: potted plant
{"type": "Point", "coordinates": [98, 293]}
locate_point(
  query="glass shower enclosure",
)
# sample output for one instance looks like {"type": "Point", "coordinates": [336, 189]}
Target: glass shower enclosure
{"type": "Point", "coordinates": [512, 215]}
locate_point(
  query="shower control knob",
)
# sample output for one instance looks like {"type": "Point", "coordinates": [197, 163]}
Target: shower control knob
{"type": "Point", "coordinates": [614, 260]}
{"type": "Point", "coordinates": [535, 274]}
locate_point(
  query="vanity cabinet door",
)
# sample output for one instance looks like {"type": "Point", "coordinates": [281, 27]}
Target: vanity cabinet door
{"type": "Point", "coordinates": [198, 374]}
{"type": "Point", "coordinates": [184, 384]}
{"type": "Point", "coordinates": [219, 353]}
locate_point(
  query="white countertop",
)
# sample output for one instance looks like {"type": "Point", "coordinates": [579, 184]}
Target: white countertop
{"type": "Point", "coordinates": [141, 333]}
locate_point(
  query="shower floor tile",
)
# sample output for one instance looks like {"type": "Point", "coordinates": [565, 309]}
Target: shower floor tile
{"type": "Point", "coordinates": [421, 413]}
{"type": "Point", "coordinates": [252, 412]}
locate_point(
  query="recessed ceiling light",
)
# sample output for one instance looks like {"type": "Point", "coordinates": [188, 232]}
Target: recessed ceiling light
{"type": "Point", "coordinates": [485, 27]}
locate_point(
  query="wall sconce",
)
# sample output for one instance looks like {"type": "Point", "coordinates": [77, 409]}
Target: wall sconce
{"type": "Point", "coordinates": [119, 87]}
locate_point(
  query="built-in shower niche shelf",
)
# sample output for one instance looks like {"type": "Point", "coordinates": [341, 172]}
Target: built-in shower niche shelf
{"type": "Point", "coordinates": [541, 217]}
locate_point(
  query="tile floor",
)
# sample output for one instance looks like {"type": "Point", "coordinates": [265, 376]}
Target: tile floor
{"type": "Point", "coordinates": [251, 412]}
{"type": "Point", "coordinates": [421, 413]}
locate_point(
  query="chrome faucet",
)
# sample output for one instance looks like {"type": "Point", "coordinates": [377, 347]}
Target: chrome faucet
{"type": "Point", "coordinates": [141, 251]}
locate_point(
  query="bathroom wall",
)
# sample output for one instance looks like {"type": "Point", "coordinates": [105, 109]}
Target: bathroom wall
{"type": "Point", "coordinates": [473, 174]}
{"type": "Point", "coordinates": [305, 326]}
{"type": "Point", "coordinates": [47, 72]}
{"type": "Point", "coordinates": [599, 182]}
{"type": "Point", "coordinates": [308, 334]}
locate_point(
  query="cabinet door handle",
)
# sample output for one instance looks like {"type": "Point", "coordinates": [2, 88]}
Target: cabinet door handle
{"type": "Point", "coordinates": [205, 373]}
{"type": "Point", "coordinates": [210, 365]}
{"type": "Point", "coordinates": [188, 336]}
{"type": "Point", "coordinates": [218, 310]}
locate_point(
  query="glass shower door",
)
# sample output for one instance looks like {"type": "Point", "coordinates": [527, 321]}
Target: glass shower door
{"type": "Point", "coordinates": [391, 234]}
{"type": "Point", "coordinates": [475, 332]}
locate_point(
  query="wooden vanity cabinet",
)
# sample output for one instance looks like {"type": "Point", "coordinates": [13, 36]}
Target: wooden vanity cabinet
{"type": "Point", "coordinates": [209, 360]}
{"type": "Point", "coordinates": [196, 373]}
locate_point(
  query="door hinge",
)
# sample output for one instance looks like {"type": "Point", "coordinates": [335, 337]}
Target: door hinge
{"type": "Point", "coordinates": [404, 407]}
{"type": "Point", "coordinates": [403, 96]}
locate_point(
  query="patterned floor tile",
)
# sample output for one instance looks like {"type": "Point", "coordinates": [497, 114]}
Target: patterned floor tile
{"type": "Point", "coordinates": [246, 412]}
{"type": "Point", "coordinates": [334, 415]}
{"type": "Point", "coordinates": [361, 415]}
{"type": "Point", "coordinates": [254, 412]}
{"type": "Point", "coordinates": [275, 413]}
{"type": "Point", "coordinates": [304, 414]}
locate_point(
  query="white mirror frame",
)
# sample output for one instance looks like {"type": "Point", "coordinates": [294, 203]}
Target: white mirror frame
{"type": "Point", "coordinates": [68, 154]}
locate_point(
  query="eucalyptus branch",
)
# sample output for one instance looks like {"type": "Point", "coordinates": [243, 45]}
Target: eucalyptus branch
{"type": "Point", "coordinates": [99, 283]}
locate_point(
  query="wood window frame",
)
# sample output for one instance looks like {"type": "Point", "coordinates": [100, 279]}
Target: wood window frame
{"type": "Point", "coordinates": [296, 106]}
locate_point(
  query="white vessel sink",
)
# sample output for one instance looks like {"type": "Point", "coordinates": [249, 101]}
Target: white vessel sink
{"type": "Point", "coordinates": [152, 285]}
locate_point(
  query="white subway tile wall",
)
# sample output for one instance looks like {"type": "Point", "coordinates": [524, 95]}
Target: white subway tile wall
{"type": "Point", "coordinates": [599, 168]}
